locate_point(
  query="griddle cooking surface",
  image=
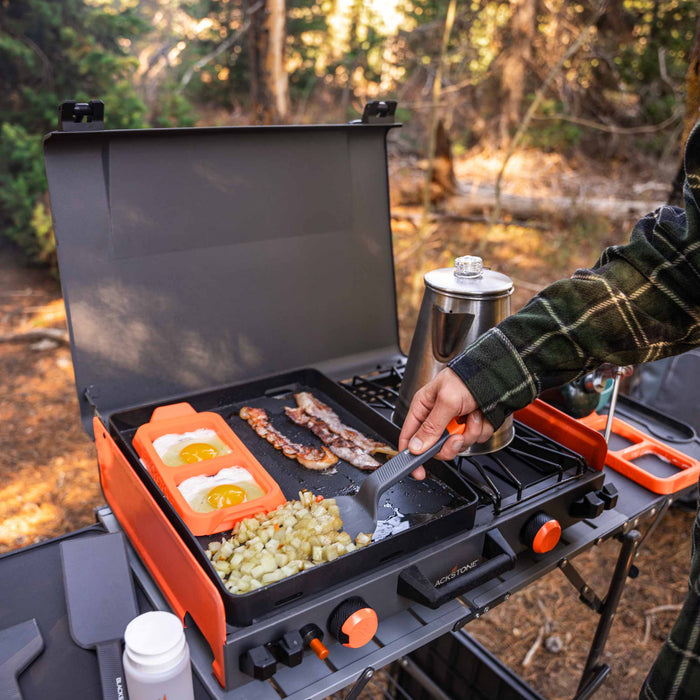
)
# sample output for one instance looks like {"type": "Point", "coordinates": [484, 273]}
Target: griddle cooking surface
{"type": "Point", "coordinates": [404, 504]}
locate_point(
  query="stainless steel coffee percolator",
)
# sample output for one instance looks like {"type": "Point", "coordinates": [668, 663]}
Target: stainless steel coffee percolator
{"type": "Point", "coordinates": [459, 304]}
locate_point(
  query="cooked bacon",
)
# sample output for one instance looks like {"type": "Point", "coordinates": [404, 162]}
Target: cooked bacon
{"type": "Point", "coordinates": [337, 444]}
{"type": "Point", "coordinates": [315, 408]}
{"type": "Point", "coordinates": [316, 458]}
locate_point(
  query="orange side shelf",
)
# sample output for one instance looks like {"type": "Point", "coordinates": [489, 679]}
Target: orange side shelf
{"type": "Point", "coordinates": [643, 444]}
{"type": "Point", "coordinates": [178, 574]}
{"type": "Point", "coordinates": [564, 429]}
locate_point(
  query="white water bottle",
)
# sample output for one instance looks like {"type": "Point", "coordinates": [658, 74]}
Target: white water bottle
{"type": "Point", "coordinates": [157, 658]}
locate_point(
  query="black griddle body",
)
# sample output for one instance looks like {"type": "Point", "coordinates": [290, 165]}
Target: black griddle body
{"type": "Point", "coordinates": [438, 508]}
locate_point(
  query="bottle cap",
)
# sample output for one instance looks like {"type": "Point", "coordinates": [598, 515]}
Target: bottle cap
{"type": "Point", "coordinates": [154, 640]}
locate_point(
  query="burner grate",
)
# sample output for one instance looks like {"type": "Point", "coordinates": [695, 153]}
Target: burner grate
{"type": "Point", "coordinates": [530, 465]}
{"type": "Point", "coordinates": [380, 390]}
{"type": "Point", "coordinates": [531, 460]}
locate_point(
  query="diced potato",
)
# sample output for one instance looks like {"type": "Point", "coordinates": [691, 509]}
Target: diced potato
{"type": "Point", "coordinates": [268, 562]}
{"type": "Point", "coordinates": [296, 536]}
{"type": "Point", "coordinates": [226, 550]}
{"type": "Point", "coordinates": [362, 539]}
{"type": "Point", "coordinates": [272, 577]}
{"type": "Point", "coordinates": [223, 566]}
{"type": "Point", "coordinates": [247, 567]}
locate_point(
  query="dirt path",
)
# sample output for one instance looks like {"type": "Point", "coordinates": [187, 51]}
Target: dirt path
{"type": "Point", "coordinates": [48, 473]}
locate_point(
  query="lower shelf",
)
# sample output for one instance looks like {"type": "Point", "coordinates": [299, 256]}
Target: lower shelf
{"type": "Point", "coordinates": [456, 666]}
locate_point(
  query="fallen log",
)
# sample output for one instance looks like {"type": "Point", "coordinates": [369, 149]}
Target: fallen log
{"type": "Point", "coordinates": [58, 335]}
{"type": "Point", "coordinates": [481, 202]}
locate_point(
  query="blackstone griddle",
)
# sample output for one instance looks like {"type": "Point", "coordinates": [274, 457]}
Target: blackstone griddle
{"type": "Point", "coordinates": [230, 266]}
{"type": "Point", "coordinates": [413, 514]}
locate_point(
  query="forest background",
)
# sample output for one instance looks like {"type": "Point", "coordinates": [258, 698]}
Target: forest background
{"type": "Point", "coordinates": [608, 79]}
{"type": "Point", "coordinates": [535, 132]}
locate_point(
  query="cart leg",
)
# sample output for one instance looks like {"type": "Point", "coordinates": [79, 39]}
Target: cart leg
{"type": "Point", "coordinates": [595, 672]}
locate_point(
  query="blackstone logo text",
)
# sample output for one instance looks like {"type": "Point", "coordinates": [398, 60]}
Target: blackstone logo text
{"type": "Point", "coordinates": [457, 571]}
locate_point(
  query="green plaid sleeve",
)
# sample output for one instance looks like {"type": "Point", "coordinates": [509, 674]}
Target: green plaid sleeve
{"type": "Point", "coordinates": [640, 302]}
{"type": "Point", "coordinates": [675, 674]}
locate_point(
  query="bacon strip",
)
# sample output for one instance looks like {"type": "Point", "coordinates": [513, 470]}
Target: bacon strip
{"type": "Point", "coordinates": [338, 445]}
{"type": "Point", "coordinates": [316, 458]}
{"type": "Point", "coordinates": [315, 408]}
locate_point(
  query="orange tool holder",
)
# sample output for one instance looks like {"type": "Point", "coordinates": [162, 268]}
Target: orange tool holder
{"type": "Point", "coordinates": [643, 444]}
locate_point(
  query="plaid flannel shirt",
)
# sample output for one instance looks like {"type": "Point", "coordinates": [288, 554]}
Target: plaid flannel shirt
{"type": "Point", "coordinates": [639, 302]}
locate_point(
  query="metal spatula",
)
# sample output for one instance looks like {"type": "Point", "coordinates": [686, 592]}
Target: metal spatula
{"type": "Point", "coordinates": [359, 512]}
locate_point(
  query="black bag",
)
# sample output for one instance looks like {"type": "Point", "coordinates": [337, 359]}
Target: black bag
{"type": "Point", "coordinates": [671, 386]}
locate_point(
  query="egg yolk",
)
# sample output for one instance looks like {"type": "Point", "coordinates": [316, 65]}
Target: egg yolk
{"type": "Point", "coordinates": [197, 452]}
{"type": "Point", "coordinates": [225, 495]}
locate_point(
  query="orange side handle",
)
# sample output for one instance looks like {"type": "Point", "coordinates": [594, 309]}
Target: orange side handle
{"type": "Point", "coordinates": [178, 574]}
{"type": "Point", "coordinates": [641, 445]}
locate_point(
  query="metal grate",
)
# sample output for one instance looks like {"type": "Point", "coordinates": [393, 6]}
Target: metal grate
{"type": "Point", "coordinates": [380, 390]}
{"type": "Point", "coordinates": [530, 465]}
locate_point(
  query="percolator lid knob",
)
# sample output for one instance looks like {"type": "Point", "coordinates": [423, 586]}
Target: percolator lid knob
{"type": "Point", "coordinates": [469, 266]}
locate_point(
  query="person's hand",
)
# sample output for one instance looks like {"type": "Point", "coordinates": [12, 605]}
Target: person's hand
{"type": "Point", "coordinates": [432, 408]}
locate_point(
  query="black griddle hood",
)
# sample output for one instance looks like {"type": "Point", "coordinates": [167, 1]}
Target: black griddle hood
{"type": "Point", "coordinates": [198, 258]}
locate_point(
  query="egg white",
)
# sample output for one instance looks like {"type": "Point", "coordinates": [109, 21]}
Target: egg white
{"type": "Point", "coordinates": [168, 446]}
{"type": "Point", "coordinates": [195, 489]}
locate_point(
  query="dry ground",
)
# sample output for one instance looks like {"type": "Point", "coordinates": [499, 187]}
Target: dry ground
{"type": "Point", "coordinates": [48, 473]}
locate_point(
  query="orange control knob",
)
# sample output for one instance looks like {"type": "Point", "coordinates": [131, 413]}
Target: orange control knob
{"type": "Point", "coordinates": [541, 533]}
{"type": "Point", "coordinates": [353, 623]}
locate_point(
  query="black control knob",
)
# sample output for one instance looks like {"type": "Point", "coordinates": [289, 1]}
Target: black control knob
{"type": "Point", "coordinates": [353, 623]}
{"type": "Point", "coordinates": [541, 533]}
{"type": "Point", "coordinates": [259, 663]}
{"type": "Point", "coordinates": [289, 650]}
{"type": "Point", "coordinates": [608, 494]}
{"type": "Point", "coordinates": [587, 507]}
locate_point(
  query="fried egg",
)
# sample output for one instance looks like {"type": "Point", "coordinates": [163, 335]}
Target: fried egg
{"type": "Point", "coordinates": [229, 487]}
{"type": "Point", "coordinates": [188, 448]}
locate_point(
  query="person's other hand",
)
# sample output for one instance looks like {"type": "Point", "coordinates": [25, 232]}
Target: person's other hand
{"type": "Point", "coordinates": [432, 408]}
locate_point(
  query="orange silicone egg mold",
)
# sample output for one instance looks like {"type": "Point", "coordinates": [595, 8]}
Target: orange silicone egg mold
{"type": "Point", "coordinates": [181, 418]}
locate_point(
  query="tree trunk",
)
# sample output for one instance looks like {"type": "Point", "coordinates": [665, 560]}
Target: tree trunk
{"type": "Point", "coordinates": [516, 64]}
{"type": "Point", "coordinates": [443, 165]}
{"type": "Point", "coordinates": [692, 112]}
{"type": "Point", "coordinates": [269, 84]}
